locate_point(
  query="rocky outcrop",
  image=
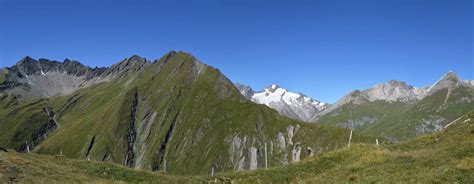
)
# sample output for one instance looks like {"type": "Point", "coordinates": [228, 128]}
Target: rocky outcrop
{"type": "Point", "coordinates": [236, 150]}
{"type": "Point", "coordinates": [89, 148]}
{"type": "Point", "coordinates": [248, 153]}
{"type": "Point", "coordinates": [132, 133]}
{"type": "Point", "coordinates": [158, 164]}
{"type": "Point", "coordinates": [144, 132]}
{"type": "Point", "coordinates": [245, 90]}
{"type": "Point", "coordinates": [253, 162]}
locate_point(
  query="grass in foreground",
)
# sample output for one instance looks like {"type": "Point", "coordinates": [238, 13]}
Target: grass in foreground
{"type": "Point", "coordinates": [34, 168]}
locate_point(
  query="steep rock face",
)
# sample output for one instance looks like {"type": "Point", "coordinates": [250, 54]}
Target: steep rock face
{"type": "Point", "coordinates": [181, 112]}
{"type": "Point", "coordinates": [293, 105]}
{"type": "Point", "coordinates": [449, 81]}
{"type": "Point", "coordinates": [398, 111]}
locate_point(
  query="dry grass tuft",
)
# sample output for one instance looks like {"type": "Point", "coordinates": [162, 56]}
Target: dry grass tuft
{"type": "Point", "coordinates": [465, 163]}
{"type": "Point", "coordinates": [17, 161]}
{"type": "Point", "coordinates": [352, 178]}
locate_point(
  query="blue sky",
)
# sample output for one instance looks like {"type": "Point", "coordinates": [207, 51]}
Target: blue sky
{"type": "Point", "coordinates": [322, 48]}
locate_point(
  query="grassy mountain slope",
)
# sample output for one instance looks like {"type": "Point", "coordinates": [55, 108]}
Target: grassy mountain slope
{"type": "Point", "coordinates": [34, 168]}
{"type": "Point", "coordinates": [24, 122]}
{"type": "Point", "coordinates": [443, 157]}
{"type": "Point", "coordinates": [399, 120]}
{"type": "Point", "coordinates": [182, 111]}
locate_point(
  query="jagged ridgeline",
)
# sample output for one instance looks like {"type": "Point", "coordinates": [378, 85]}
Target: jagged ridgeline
{"type": "Point", "coordinates": [140, 113]}
{"type": "Point", "coordinates": [397, 111]}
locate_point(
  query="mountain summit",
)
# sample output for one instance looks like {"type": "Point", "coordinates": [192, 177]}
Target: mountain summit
{"type": "Point", "coordinates": [449, 81]}
{"type": "Point", "coordinates": [399, 111]}
{"type": "Point", "coordinates": [294, 105]}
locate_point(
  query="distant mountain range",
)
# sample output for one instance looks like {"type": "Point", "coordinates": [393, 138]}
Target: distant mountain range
{"type": "Point", "coordinates": [394, 110]}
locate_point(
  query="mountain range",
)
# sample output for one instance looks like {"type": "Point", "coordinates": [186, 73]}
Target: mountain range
{"type": "Point", "coordinates": [175, 113]}
{"type": "Point", "coordinates": [397, 111]}
{"type": "Point", "coordinates": [183, 115]}
{"type": "Point", "coordinates": [393, 110]}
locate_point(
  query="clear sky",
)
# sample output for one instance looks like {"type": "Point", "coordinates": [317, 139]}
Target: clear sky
{"type": "Point", "coordinates": [322, 48]}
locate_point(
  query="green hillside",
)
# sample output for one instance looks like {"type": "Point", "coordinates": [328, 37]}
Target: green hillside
{"type": "Point", "coordinates": [398, 120]}
{"type": "Point", "coordinates": [442, 157]}
{"type": "Point", "coordinates": [34, 168]}
{"type": "Point", "coordinates": [175, 109]}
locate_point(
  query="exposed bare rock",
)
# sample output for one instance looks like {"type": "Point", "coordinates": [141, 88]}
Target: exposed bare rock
{"type": "Point", "coordinates": [253, 162]}
{"type": "Point", "coordinates": [295, 154]}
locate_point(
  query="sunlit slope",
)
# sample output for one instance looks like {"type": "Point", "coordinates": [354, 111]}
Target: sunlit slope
{"type": "Point", "coordinates": [443, 157]}
{"type": "Point", "coordinates": [182, 111]}
{"type": "Point", "coordinates": [34, 168]}
{"type": "Point", "coordinates": [399, 120]}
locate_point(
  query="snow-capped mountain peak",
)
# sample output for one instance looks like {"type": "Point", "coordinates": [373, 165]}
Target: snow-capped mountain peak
{"type": "Point", "coordinates": [295, 105]}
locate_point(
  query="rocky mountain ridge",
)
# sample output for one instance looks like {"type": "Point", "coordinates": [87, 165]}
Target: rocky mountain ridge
{"type": "Point", "coordinates": [47, 78]}
{"type": "Point", "coordinates": [394, 90]}
{"type": "Point", "coordinates": [290, 104]}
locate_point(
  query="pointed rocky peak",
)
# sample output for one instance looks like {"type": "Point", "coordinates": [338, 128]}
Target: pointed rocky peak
{"type": "Point", "coordinates": [449, 80]}
{"type": "Point", "coordinates": [137, 58]}
{"type": "Point", "coordinates": [26, 60]}
{"type": "Point", "coordinates": [133, 60]}
{"type": "Point", "coordinates": [27, 66]}
{"type": "Point", "coordinates": [450, 76]}
{"type": "Point", "coordinates": [245, 90]}
{"type": "Point", "coordinates": [131, 64]}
